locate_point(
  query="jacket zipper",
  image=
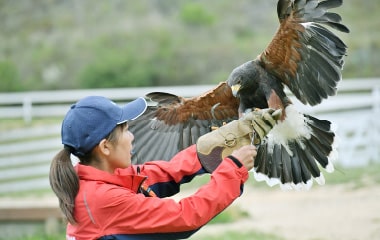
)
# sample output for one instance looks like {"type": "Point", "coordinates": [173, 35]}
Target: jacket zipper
{"type": "Point", "coordinates": [144, 188]}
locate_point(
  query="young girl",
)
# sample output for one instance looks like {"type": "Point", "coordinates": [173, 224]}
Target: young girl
{"type": "Point", "coordinates": [105, 197]}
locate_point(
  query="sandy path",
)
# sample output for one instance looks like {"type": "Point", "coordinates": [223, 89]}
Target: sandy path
{"type": "Point", "coordinates": [323, 213]}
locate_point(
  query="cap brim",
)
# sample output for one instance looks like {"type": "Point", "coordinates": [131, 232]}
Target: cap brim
{"type": "Point", "coordinates": [133, 110]}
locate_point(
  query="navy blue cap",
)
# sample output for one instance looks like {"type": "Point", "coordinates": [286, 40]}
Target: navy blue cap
{"type": "Point", "coordinates": [93, 118]}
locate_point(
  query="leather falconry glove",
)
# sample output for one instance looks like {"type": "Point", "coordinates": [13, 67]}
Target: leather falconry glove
{"type": "Point", "coordinates": [214, 146]}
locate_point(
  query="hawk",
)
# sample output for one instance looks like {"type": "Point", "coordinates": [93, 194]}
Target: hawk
{"type": "Point", "coordinates": [305, 56]}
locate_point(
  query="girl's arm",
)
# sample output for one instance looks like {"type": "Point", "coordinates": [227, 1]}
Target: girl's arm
{"type": "Point", "coordinates": [165, 177]}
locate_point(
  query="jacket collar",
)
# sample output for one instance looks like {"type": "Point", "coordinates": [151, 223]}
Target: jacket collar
{"type": "Point", "coordinates": [121, 177]}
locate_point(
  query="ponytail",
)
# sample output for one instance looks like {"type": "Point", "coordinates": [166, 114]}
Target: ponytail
{"type": "Point", "coordinates": [64, 182]}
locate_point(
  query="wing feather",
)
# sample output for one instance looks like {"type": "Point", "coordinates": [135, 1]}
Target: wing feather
{"type": "Point", "coordinates": [176, 123]}
{"type": "Point", "coordinates": [181, 109]}
{"type": "Point", "coordinates": [303, 50]}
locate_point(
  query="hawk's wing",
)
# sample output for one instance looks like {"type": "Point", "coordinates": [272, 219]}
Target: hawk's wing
{"type": "Point", "coordinates": [176, 123]}
{"type": "Point", "coordinates": [305, 55]}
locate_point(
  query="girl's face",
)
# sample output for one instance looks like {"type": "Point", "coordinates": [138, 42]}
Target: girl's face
{"type": "Point", "coordinates": [120, 150]}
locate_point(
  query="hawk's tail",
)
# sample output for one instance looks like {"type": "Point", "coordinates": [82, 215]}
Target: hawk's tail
{"type": "Point", "coordinates": [295, 151]}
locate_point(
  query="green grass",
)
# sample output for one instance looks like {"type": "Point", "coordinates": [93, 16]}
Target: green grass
{"type": "Point", "coordinates": [38, 233]}
{"type": "Point", "coordinates": [17, 123]}
{"type": "Point", "coordinates": [358, 177]}
{"type": "Point", "coordinates": [230, 235]}
{"type": "Point", "coordinates": [229, 215]}
{"type": "Point", "coordinates": [241, 235]}
{"type": "Point", "coordinates": [41, 236]}
{"type": "Point", "coordinates": [29, 193]}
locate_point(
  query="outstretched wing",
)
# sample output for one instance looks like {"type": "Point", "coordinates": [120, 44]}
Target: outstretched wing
{"type": "Point", "coordinates": [303, 54]}
{"type": "Point", "coordinates": [175, 123]}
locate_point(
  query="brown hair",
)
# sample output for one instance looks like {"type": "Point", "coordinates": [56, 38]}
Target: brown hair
{"type": "Point", "coordinates": [64, 181]}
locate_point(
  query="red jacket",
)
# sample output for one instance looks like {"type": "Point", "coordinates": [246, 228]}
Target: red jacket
{"type": "Point", "coordinates": [111, 205]}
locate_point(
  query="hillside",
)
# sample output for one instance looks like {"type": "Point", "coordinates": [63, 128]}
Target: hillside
{"type": "Point", "coordinates": [52, 44]}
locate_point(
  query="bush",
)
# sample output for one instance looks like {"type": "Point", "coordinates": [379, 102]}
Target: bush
{"type": "Point", "coordinates": [194, 14]}
{"type": "Point", "coordinates": [9, 80]}
{"type": "Point", "coordinates": [115, 70]}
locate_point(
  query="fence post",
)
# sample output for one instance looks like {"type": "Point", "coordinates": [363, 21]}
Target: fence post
{"type": "Point", "coordinates": [27, 109]}
{"type": "Point", "coordinates": [376, 99]}
{"type": "Point", "coordinates": [375, 122]}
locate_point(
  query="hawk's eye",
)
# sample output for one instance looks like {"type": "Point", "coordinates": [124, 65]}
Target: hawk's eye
{"type": "Point", "coordinates": [239, 80]}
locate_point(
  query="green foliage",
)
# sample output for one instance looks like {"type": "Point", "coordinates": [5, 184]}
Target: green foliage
{"type": "Point", "coordinates": [150, 43]}
{"type": "Point", "coordinates": [118, 66]}
{"type": "Point", "coordinates": [115, 70]}
{"type": "Point", "coordinates": [143, 59]}
{"type": "Point", "coordinates": [9, 79]}
{"type": "Point", "coordinates": [195, 14]}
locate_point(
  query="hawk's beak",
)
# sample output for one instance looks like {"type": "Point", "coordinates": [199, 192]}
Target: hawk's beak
{"type": "Point", "coordinates": [235, 88]}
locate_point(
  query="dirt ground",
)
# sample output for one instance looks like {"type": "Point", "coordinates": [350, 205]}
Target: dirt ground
{"type": "Point", "coordinates": [324, 213]}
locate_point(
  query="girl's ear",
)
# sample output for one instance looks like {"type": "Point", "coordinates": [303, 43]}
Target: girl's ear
{"type": "Point", "coordinates": [104, 147]}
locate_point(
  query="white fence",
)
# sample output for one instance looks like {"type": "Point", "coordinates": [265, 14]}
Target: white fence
{"type": "Point", "coordinates": [56, 103]}
{"type": "Point", "coordinates": [25, 153]}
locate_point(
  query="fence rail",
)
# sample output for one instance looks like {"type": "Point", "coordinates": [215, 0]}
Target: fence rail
{"type": "Point", "coordinates": [28, 105]}
{"type": "Point", "coordinates": [25, 153]}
